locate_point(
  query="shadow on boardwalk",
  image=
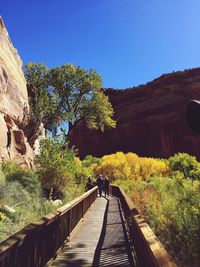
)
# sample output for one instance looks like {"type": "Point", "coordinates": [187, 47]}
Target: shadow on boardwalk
{"type": "Point", "coordinates": [102, 240]}
{"type": "Point", "coordinates": [114, 248]}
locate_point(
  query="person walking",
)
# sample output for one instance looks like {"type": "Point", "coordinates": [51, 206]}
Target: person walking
{"type": "Point", "coordinates": [106, 186]}
{"type": "Point", "coordinates": [89, 184]}
{"type": "Point", "coordinates": [100, 184]}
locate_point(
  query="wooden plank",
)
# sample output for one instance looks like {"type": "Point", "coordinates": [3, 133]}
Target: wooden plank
{"type": "Point", "coordinates": [100, 240]}
{"type": "Point", "coordinates": [79, 251]}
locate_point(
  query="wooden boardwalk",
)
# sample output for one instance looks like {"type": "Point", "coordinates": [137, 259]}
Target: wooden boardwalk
{"type": "Point", "coordinates": [101, 239]}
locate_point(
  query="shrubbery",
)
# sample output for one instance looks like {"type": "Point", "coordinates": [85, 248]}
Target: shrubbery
{"type": "Point", "coordinates": [55, 166]}
{"type": "Point", "coordinates": [22, 190]}
{"type": "Point", "coordinates": [20, 198]}
{"type": "Point", "coordinates": [26, 177]}
{"type": "Point", "coordinates": [166, 192]}
{"type": "Point", "coordinates": [172, 208]}
{"type": "Point", "coordinates": [129, 166]}
{"type": "Point", "coordinates": [187, 165]}
{"type": "Point", "coordinates": [60, 171]}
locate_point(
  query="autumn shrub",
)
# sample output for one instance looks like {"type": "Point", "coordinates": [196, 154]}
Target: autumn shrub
{"type": "Point", "coordinates": [171, 205]}
{"type": "Point", "coordinates": [130, 166]}
{"type": "Point", "coordinates": [176, 218]}
{"type": "Point", "coordinates": [167, 194]}
{"type": "Point", "coordinates": [81, 172]}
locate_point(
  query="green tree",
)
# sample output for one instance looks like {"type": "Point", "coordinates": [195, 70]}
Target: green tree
{"type": "Point", "coordinates": [80, 97]}
{"type": "Point", "coordinates": [67, 94]}
{"type": "Point", "coordinates": [55, 166]}
{"type": "Point", "coordinates": [43, 104]}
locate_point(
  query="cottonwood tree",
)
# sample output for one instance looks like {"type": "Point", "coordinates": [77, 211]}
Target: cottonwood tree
{"type": "Point", "coordinates": [67, 94]}
{"type": "Point", "coordinates": [42, 103]}
{"type": "Point", "coordinates": [80, 97]}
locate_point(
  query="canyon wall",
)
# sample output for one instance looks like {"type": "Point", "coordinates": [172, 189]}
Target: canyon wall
{"type": "Point", "coordinates": [150, 119]}
{"type": "Point", "coordinates": [13, 104]}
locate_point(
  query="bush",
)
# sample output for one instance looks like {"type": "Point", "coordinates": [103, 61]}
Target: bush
{"type": "Point", "coordinates": [130, 166]}
{"type": "Point", "coordinates": [26, 177]}
{"type": "Point", "coordinates": [90, 160]}
{"type": "Point", "coordinates": [81, 172]}
{"type": "Point", "coordinates": [186, 164]}
{"type": "Point", "coordinates": [172, 208]}
{"type": "Point", "coordinates": [20, 189]}
{"type": "Point", "coordinates": [55, 166]}
{"type": "Point", "coordinates": [166, 193]}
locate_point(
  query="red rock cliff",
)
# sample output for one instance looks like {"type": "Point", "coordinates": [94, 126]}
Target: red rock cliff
{"type": "Point", "coordinates": [150, 119]}
{"type": "Point", "coordinates": [13, 103]}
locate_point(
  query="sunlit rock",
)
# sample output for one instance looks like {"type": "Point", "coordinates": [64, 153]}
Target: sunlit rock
{"type": "Point", "coordinates": [150, 119]}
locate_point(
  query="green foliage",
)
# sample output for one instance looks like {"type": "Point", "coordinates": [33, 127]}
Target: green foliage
{"type": "Point", "coordinates": [12, 193]}
{"type": "Point", "coordinates": [80, 97]}
{"type": "Point", "coordinates": [26, 177]}
{"type": "Point", "coordinates": [89, 160]}
{"type": "Point", "coordinates": [186, 164]}
{"type": "Point", "coordinates": [80, 172]}
{"type": "Point", "coordinates": [42, 102]}
{"type": "Point", "coordinates": [175, 216]}
{"type": "Point", "coordinates": [172, 208]}
{"type": "Point", "coordinates": [2, 176]}
{"type": "Point", "coordinates": [66, 94]}
{"type": "Point", "coordinates": [28, 206]}
{"type": "Point", "coordinates": [19, 189]}
{"type": "Point", "coordinates": [98, 112]}
{"type": "Point", "coordinates": [55, 165]}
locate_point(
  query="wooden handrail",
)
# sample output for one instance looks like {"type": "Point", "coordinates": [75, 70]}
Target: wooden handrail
{"type": "Point", "coordinates": [37, 243]}
{"type": "Point", "coordinates": [149, 250]}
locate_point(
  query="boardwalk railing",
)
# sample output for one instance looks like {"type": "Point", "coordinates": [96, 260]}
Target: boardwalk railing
{"type": "Point", "coordinates": [37, 243]}
{"type": "Point", "coordinates": [150, 252]}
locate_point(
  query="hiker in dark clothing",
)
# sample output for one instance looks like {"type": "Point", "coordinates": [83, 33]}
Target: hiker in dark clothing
{"type": "Point", "coordinates": [106, 186]}
{"type": "Point", "coordinates": [89, 184]}
{"type": "Point", "coordinates": [100, 184]}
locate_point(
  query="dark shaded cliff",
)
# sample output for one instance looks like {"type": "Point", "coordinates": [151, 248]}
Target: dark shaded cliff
{"type": "Point", "coordinates": [150, 119]}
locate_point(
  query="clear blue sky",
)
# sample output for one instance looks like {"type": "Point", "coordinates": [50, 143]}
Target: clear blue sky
{"type": "Point", "coordinates": [129, 42]}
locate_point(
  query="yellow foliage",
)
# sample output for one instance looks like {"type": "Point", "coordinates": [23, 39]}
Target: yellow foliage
{"type": "Point", "coordinates": [78, 162]}
{"type": "Point", "coordinates": [130, 166]}
{"type": "Point", "coordinates": [2, 216]}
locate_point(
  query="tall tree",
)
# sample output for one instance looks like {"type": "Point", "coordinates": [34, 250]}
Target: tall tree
{"type": "Point", "coordinates": [67, 94]}
{"type": "Point", "coordinates": [43, 104]}
{"type": "Point", "coordinates": [81, 97]}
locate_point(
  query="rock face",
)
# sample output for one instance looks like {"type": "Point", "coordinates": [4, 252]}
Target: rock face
{"type": "Point", "coordinates": [150, 119]}
{"type": "Point", "coordinates": [13, 104]}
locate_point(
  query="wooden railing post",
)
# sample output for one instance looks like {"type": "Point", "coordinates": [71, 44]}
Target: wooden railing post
{"type": "Point", "coordinates": [82, 207]}
{"type": "Point", "coordinates": [69, 225]}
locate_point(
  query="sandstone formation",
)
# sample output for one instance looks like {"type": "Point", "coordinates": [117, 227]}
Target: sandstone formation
{"type": "Point", "coordinates": [150, 119]}
{"type": "Point", "coordinates": [13, 104]}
